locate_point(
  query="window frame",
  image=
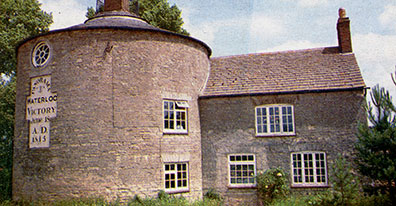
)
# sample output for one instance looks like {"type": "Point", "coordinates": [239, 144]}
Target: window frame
{"type": "Point", "coordinates": [178, 106]}
{"type": "Point", "coordinates": [242, 162]}
{"type": "Point", "coordinates": [175, 172]}
{"type": "Point", "coordinates": [315, 169]}
{"type": "Point", "coordinates": [38, 60]}
{"type": "Point", "coordinates": [268, 124]}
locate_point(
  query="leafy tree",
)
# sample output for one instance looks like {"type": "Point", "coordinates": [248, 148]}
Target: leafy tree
{"type": "Point", "coordinates": [7, 107]}
{"type": "Point", "coordinates": [376, 146]}
{"type": "Point", "coordinates": [157, 12]}
{"type": "Point", "coordinates": [19, 19]}
{"type": "Point", "coordinates": [345, 183]}
{"type": "Point", "coordinates": [90, 12]}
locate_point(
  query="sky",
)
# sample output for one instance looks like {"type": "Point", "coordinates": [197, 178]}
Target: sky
{"type": "Point", "coordinates": [233, 27]}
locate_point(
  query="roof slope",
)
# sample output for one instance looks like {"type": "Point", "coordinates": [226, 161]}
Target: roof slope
{"type": "Point", "coordinates": [283, 72]}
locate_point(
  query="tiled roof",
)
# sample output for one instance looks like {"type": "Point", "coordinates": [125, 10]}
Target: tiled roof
{"type": "Point", "coordinates": [282, 72]}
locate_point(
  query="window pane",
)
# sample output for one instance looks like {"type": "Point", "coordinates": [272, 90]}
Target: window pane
{"type": "Point", "coordinates": [251, 158]}
{"type": "Point", "coordinates": [171, 125]}
{"type": "Point", "coordinates": [166, 124]}
{"type": "Point", "coordinates": [244, 158]}
{"type": "Point", "coordinates": [233, 180]}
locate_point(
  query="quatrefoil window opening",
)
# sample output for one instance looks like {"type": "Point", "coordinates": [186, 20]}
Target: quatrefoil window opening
{"type": "Point", "coordinates": [41, 54]}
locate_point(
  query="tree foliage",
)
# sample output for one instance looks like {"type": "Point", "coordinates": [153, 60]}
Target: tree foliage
{"type": "Point", "coordinates": [376, 146]}
{"type": "Point", "coordinates": [19, 19]}
{"type": "Point", "coordinates": [157, 13]}
{"type": "Point", "coordinates": [345, 183]}
{"type": "Point", "coordinates": [272, 184]}
{"type": "Point", "coordinates": [7, 105]}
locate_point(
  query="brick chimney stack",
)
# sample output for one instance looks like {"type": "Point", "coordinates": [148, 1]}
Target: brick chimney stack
{"type": "Point", "coordinates": [116, 5]}
{"type": "Point", "coordinates": [344, 32]}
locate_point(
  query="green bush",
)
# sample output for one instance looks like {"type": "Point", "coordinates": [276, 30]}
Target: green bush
{"type": "Point", "coordinates": [272, 184]}
{"type": "Point", "coordinates": [164, 199]}
{"type": "Point", "coordinates": [212, 195]}
{"type": "Point", "coordinates": [70, 202]}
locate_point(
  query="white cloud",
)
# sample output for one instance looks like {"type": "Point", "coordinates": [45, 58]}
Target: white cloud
{"type": "Point", "coordinates": [294, 45]}
{"type": "Point", "coordinates": [388, 17]}
{"type": "Point", "coordinates": [376, 56]}
{"type": "Point", "coordinates": [264, 27]}
{"type": "Point", "coordinates": [204, 31]}
{"type": "Point", "coordinates": [261, 27]}
{"type": "Point", "coordinates": [311, 3]}
{"type": "Point", "coordinates": [65, 12]}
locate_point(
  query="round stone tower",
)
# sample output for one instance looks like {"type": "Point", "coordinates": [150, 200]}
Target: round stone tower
{"type": "Point", "coordinates": [108, 108]}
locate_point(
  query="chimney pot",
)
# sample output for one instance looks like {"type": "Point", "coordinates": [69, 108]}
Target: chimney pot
{"type": "Point", "coordinates": [116, 5]}
{"type": "Point", "coordinates": [342, 13]}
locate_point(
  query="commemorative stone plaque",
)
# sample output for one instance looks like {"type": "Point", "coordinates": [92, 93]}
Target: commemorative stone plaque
{"type": "Point", "coordinates": [40, 108]}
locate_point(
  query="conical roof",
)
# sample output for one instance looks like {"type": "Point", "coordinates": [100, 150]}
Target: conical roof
{"type": "Point", "coordinates": [113, 19]}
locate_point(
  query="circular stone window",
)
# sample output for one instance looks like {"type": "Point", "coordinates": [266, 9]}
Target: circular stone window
{"type": "Point", "coordinates": [41, 54]}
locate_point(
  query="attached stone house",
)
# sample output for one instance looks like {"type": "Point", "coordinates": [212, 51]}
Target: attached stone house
{"type": "Point", "coordinates": [295, 110]}
{"type": "Point", "coordinates": [115, 107]}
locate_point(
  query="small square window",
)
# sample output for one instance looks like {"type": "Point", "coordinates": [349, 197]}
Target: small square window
{"type": "Point", "coordinates": [176, 177]}
{"type": "Point", "coordinates": [242, 170]}
{"type": "Point", "coordinates": [175, 116]}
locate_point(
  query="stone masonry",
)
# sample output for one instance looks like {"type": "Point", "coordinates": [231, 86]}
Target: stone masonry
{"type": "Point", "coordinates": [107, 138]}
{"type": "Point", "coordinates": [108, 79]}
{"type": "Point", "coordinates": [323, 121]}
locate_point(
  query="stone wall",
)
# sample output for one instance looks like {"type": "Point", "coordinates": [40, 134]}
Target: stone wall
{"type": "Point", "coordinates": [323, 122]}
{"type": "Point", "coordinates": [107, 138]}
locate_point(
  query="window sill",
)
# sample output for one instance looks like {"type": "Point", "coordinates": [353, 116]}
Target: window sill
{"type": "Point", "coordinates": [276, 135]}
{"type": "Point", "coordinates": [310, 186]}
{"type": "Point", "coordinates": [242, 186]}
{"type": "Point", "coordinates": [177, 191]}
{"type": "Point", "coordinates": [181, 132]}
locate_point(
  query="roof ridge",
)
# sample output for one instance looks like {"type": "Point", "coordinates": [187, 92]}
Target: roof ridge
{"type": "Point", "coordinates": [275, 52]}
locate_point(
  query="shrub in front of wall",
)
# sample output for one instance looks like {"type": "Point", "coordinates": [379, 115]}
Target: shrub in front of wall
{"type": "Point", "coordinates": [272, 184]}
